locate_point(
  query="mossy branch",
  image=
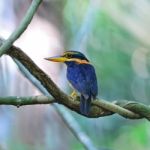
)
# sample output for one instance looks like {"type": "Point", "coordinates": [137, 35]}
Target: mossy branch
{"type": "Point", "coordinates": [127, 109]}
{"type": "Point", "coordinates": [127, 105]}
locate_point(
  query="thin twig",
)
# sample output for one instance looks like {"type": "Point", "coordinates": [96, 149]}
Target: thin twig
{"type": "Point", "coordinates": [21, 28]}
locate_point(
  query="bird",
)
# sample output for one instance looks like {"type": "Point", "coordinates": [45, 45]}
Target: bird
{"type": "Point", "coordinates": [81, 75]}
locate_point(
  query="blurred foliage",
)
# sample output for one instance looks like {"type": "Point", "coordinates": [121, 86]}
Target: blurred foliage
{"type": "Point", "coordinates": [111, 48]}
{"type": "Point", "coordinates": [113, 65]}
{"type": "Point", "coordinates": [135, 136]}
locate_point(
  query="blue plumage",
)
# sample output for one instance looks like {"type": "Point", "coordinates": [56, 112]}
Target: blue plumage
{"type": "Point", "coordinates": [83, 79]}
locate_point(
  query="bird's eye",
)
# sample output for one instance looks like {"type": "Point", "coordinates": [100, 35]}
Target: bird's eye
{"type": "Point", "coordinates": [68, 55]}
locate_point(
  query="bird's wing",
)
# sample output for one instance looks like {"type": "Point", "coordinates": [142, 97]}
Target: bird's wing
{"type": "Point", "coordinates": [91, 77]}
{"type": "Point", "coordinates": [91, 80]}
{"type": "Point", "coordinates": [83, 79]}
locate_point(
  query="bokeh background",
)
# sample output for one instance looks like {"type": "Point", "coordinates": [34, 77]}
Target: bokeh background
{"type": "Point", "coordinates": [115, 36]}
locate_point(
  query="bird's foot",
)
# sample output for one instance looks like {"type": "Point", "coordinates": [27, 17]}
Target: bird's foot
{"type": "Point", "coordinates": [74, 94]}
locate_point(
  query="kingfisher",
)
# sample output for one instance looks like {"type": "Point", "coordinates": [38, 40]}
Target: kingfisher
{"type": "Point", "coordinates": [81, 75]}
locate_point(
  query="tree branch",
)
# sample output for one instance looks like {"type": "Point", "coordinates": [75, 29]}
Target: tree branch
{"type": "Point", "coordinates": [127, 109]}
{"type": "Point", "coordinates": [21, 101]}
{"type": "Point", "coordinates": [21, 28]}
{"type": "Point", "coordinates": [34, 100]}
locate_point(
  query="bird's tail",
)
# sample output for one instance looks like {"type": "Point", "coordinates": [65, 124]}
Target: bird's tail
{"type": "Point", "coordinates": [85, 104]}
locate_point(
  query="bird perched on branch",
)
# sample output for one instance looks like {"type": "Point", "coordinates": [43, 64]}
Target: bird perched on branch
{"type": "Point", "coordinates": [81, 75]}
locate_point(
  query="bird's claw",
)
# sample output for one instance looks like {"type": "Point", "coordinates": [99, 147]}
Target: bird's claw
{"type": "Point", "coordinates": [74, 94]}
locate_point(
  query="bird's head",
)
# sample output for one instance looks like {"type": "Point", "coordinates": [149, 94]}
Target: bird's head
{"type": "Point", "coordinates": [70, 56]}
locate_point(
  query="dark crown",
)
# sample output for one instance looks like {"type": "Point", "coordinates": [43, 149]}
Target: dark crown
{"type": "Point", "coordinates": [75, 54]}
